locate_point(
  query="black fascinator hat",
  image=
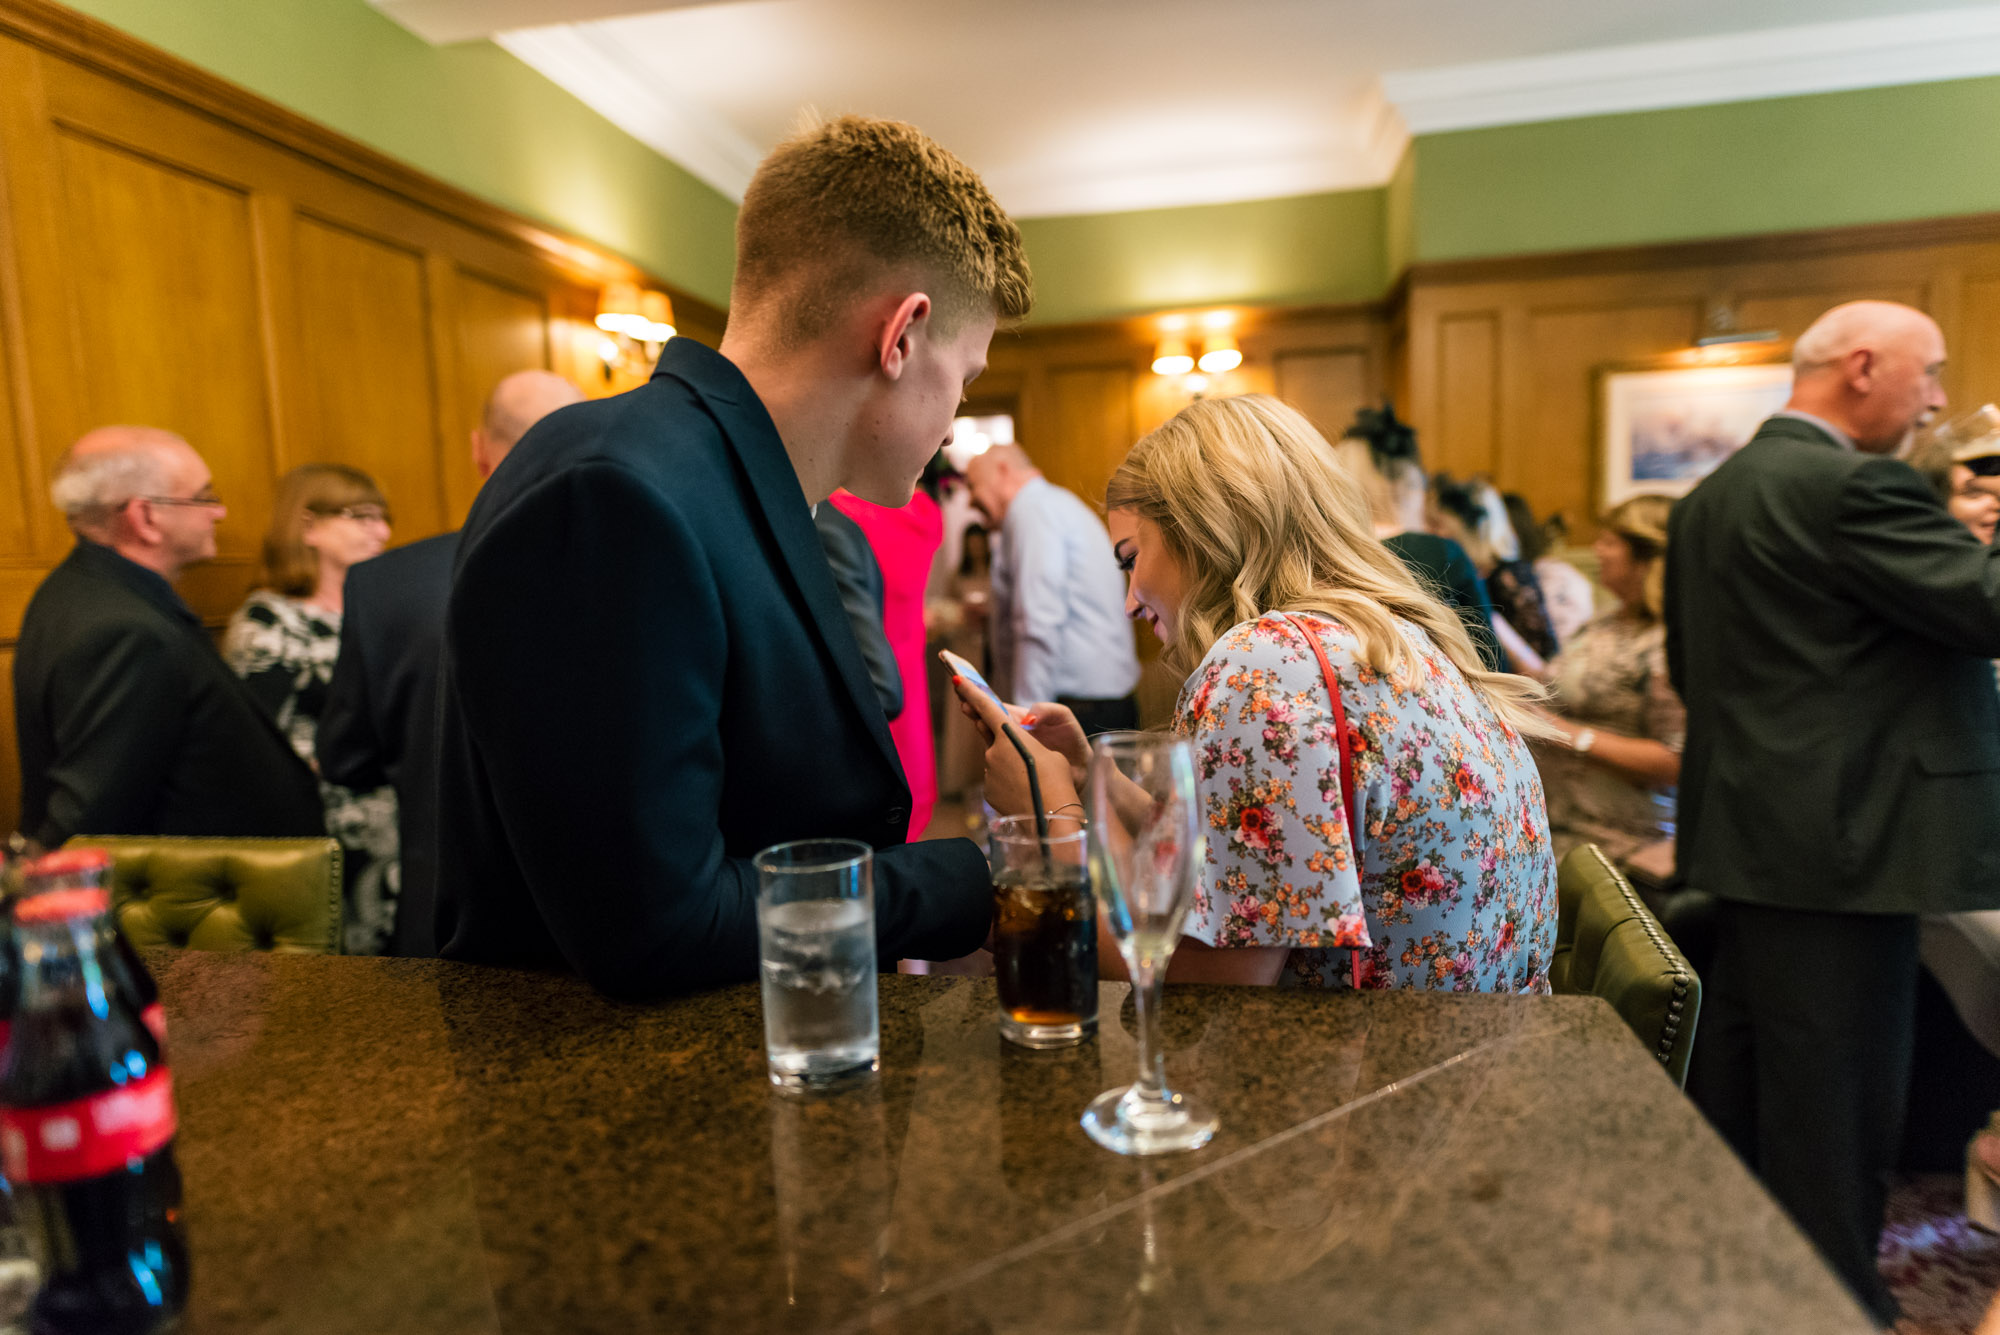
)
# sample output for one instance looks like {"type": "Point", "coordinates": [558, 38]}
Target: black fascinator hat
{"type": "Point", "coordinates": [1390, 441]}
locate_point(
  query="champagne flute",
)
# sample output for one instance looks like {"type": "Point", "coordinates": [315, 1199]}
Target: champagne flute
{"type": "Point", "coordinates": [1144, 826]}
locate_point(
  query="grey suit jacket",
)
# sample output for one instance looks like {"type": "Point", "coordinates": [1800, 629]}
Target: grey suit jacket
{"type": "Point", "coordinates": [1831, 630]}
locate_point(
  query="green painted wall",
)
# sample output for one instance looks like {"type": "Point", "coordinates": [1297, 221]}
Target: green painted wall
{"type": "Point", "coordinates": [471, 115]}
{"type": "Point", "coordinates": [1875, 155]}
{"type": "Point", "coordinates": [1297, 251]}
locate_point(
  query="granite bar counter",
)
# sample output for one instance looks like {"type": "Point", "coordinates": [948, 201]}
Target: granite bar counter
{"type": "Point", "coordinates": [390, 1146]}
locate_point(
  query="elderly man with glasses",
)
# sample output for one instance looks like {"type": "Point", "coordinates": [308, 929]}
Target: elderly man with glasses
{"type": "Point", "coordinates": [129, 721]}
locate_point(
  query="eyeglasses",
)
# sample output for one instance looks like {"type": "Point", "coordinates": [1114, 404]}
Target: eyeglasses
{"type": "Point", "coordinates": [205, 497]}
{"type": "Point", "coordinates": [360, 514]}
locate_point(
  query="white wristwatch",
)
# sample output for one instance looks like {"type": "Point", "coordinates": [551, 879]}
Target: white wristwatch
{"type": "Point", "coordinates": [1582, 740]}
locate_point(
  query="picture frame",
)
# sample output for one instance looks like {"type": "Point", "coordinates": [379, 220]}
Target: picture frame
{"type": "Point", "coordinates": [1665, 424]}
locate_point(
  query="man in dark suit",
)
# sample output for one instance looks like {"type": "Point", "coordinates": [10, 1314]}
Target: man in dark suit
{"type": "Point", "coordinates": [1830, 629]}
{"type": "Point", "coordinates": [648, 673]}
{"type": "Point", "coordinates": [379, 725]}
{"type": "Point", "coordinates": [129, 721]}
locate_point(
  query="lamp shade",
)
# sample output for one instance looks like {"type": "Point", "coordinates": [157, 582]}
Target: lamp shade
{"type": "Point", "coordinates": [1219, 353]}
{"type": "Point", "coordinates": [658, 313]}
{"type": "Point", "coordinates": [1171, 357]}
{"type": "Point", "coordinates": [618, 308]}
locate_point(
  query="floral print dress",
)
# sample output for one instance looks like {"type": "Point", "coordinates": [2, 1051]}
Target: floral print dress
{"type": "Point", "coordinates": [1455, 885]}
{"type": "Point", "coordinates": [284, 649]}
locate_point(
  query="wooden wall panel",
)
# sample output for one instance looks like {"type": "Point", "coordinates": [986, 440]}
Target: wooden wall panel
{"type": "Point", "coordinates": [1466, 435]}
{"type": "Point", "coordinates": [500, 330]}
{"type": "Point", "coordinates": [1978, 343]}
{"type": "Point", "coordinates": [176, 252]}
{"type": "Point", "coordinates": [1550, 453]}
{"type": "Point", "coordinates": [1327, 386]}
{"type": "Point", "coordinates": [1530, 335]}
{"type": "Point", "coordinates": [17, 491]}
{"type": "Point", "coordinates": [1092, 407]}
{"type": "Point", "coordinates": [366, 390]}
{"type": "Point", "coordinates": [163, 307]}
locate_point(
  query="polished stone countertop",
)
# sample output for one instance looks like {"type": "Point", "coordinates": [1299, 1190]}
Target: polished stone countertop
{"type": "Point", "coordinates": [393, 1145]}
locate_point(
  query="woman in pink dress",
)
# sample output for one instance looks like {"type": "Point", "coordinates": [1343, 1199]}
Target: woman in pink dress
{"type": "Point", "coordinates": [904, 542]}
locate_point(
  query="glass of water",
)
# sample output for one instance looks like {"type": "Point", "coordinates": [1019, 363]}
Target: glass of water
{"type": "Point", "coordinates": [1145, 829]}
{"type": "Point", "coordinates": [816, 946]}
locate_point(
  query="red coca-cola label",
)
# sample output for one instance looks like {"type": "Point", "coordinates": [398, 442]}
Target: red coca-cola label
{"type": "Point", "coordinates": [88, 1137]}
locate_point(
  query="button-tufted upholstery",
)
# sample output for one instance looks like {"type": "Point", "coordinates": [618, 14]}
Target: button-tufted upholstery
{"type": "Point", "coordinates": [225, 894]}
{"type": "Point", "coordinates": [1609, 944]}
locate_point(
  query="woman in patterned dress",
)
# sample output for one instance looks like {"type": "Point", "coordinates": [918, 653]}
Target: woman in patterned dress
{"type": "Point", "coordinates": [1611, 770]}
{"type": "Point", "coordinates": [283, 642]}
{"type": "Point", "coordinates": [1227, 519]}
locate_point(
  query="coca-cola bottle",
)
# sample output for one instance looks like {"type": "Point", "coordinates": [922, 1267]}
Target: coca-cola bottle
{"type": "Point", "coordinates": [87, 1133]}
{"type": "Point", "coordinates": [90, 869]}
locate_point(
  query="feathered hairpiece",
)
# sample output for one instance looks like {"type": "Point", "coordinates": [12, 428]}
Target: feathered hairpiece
{"type": "Point", "coordinates": [1389, 441]}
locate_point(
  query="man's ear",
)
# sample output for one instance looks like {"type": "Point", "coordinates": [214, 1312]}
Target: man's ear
{"type": "Point", "coordinates": [137, 517]}
{"type": "Point", "coordinates": [896, 337]}
{"type": "Point", "coordinates": [1861, 367]}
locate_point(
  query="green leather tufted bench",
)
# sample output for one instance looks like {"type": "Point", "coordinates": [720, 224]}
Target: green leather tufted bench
{"type": "Point", "coordinates": [1609, 944]}
{"type": "Point", "coordinates": [225, 894]}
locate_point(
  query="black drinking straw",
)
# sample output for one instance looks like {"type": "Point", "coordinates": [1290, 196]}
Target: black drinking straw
{"type": "Point", "coordinates": [1034, 790]}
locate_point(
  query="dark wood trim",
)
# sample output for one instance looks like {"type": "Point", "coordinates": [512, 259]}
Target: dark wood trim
{"type": "Point", "coordinates": [1965, 229]}
{"type": "Point", "coordinates": [107, 50]}
{"type": "Point", "coordinates": [1143, 328]}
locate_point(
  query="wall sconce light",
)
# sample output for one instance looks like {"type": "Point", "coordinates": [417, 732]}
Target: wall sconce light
{"type": "Point", "coordinates": [636, 324]}
{"type": "Point", "coordinates": [1176, 353]}
{"type": "Point", "coordinates": [1219, 353]}
{"type": "Point", "coordinates": [1172, 357]}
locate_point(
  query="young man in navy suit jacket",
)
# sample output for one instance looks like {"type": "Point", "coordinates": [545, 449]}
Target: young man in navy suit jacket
{"type": "Point", "coordinates": [648, 674]}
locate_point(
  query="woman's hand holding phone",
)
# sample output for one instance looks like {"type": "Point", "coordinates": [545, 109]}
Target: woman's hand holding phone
{"type": "Point", "coordinates": [1006, 780]}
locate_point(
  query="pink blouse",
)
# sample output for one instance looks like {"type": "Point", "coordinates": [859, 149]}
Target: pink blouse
{"type": "Point", "coordinates": [904, 542]}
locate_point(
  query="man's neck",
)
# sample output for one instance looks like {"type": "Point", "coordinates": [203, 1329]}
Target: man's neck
{"type": "Point", "coordinates": [1828, 414]}
{"type": "Point", "coordinates": [812, 421]}
{"type": "Point", "coordinates": [144, 557]}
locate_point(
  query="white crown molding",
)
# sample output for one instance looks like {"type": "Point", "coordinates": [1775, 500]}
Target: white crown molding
{"type": "Point", "coordinates": [441, 22]}
{"type": "Point", "coordinates": [1776, 62]}
{"type": "Point", "coordinates": [1027, 194]}
{"type": "Point", "coordinates": [596, 72]}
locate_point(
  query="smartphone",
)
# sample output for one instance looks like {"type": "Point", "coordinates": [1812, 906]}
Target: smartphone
{"type": "Point", "coordinates": [972, 674]}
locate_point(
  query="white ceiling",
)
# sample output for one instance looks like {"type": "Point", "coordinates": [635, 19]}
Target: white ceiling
{"type": "Point", "coordinates": [1085, 106]}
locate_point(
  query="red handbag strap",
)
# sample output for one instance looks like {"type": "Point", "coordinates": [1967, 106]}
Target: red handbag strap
{"type": "Point", "coordinates": [1350, 796]}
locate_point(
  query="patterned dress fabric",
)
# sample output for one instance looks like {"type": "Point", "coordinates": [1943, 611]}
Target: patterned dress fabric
{"type": "Point", "coordinates": [284, 650]}
{"type": "Point", "coordinates": [1613, 677]}
{"type": "Point", "coordinates": [1455, 885]}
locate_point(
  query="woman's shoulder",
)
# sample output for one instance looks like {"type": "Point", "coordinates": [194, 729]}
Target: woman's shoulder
{"type": "Point", "coordinates": [265, 607]}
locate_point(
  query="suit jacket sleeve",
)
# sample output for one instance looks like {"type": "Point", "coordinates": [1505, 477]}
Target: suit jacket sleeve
{"type": "Point", "coordinates": [1907, 559]}
{"type": "Point", "coordinates": [588, 651]}
{"type": "Point", "coordinates": [118, 737]}
{"type": "Point", "coordinates": [352, 751]}
{"type": "Point", "coordinates": [858, 576]}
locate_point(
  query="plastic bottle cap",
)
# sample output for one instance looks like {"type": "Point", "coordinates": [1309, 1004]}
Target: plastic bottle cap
{"type": "Point", "coordinates": [68, 862]}
{"type": "Point", "coordinates": [58, 905]}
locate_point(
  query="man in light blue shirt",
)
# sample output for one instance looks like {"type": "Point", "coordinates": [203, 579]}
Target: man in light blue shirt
{"type": "Point", "coordinates": [1059, 627]}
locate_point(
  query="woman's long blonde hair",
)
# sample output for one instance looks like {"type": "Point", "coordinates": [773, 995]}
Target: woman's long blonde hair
{"type": "Point", "coordinates": [1252, 506]}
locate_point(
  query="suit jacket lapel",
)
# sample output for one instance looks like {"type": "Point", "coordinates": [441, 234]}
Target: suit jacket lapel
{"type": "Point", "coordinates": [752, 435]}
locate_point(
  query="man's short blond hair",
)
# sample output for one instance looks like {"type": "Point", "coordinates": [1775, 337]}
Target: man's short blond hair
{"type": "Point", "coordinates": [843, 204]}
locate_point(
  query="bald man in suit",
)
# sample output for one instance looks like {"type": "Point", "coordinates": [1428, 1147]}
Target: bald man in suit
{"type": "Point", "coordinates": [381, 708]}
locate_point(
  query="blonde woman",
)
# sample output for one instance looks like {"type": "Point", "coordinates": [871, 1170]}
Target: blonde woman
{"type": "Point", "coordinates": [1230, 520]}
{"type": "Point", "coordinates": [1612, 768]}
{"type": "Point", "coordinates": [283, 642]}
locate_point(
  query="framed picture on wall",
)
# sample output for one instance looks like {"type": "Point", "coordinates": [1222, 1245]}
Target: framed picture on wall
{"type": "Point", "coordinates": [1665, 427]}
